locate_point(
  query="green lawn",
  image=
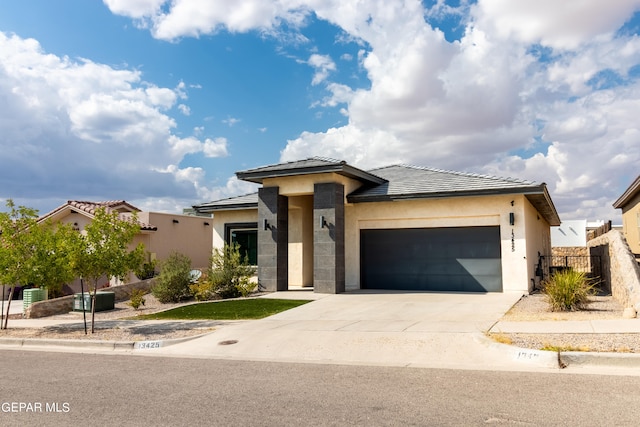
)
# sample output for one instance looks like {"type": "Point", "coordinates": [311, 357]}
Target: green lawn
{"type": "Point", "coordinates": [227, 310]}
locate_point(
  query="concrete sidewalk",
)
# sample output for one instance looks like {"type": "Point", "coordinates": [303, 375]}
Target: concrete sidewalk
{"type": "Point", "coordinates": [616, 326]}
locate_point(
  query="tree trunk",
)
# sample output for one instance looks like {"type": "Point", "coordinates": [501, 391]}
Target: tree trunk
{"type": "Point", "coordinates": [84, 312]}
{"type": "Point", "coordinates": [93, 308]}
{"type": "Point", "coordinates": [6, 318]}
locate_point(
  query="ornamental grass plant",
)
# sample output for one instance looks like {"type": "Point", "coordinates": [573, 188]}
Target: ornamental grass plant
{"type": "Point", "coordinates": [568, 290]}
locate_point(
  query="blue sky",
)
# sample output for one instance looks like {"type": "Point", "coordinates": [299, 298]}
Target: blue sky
{"type": "Point", "coordinates": [160, 102]}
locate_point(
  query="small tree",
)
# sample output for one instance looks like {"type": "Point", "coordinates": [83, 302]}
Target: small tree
{"type": "Point", "coordinates": [55, 248]}
{"type": "Point", "coordinates": [17, 230]}
{"type": "Point", "coordinates": [104, 251]}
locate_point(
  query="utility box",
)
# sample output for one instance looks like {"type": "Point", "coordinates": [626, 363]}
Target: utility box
{"type": "Point", "coordinates": [104, 301]}
{"type": "Point", "coordinates": [29, 296]}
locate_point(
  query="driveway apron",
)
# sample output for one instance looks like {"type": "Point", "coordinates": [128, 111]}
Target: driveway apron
{"type": "Point", "coordinates": [427, 329]}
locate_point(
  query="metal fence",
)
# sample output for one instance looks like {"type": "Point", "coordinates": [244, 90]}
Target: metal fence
{"type": "Point", "coordinates": [589, 264]}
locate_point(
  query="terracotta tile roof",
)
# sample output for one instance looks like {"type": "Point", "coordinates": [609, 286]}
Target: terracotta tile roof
{"type": "Point", "coordinates": [123, 209]}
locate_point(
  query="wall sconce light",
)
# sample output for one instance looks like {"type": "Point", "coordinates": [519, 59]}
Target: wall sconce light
{"type": "Point", "coordinates": [175, 221]}
{"type": "Point", "coordinates": [206, 224]}
{"type": "Point", "coordinates": [265, 224]}
{"type": "Point", "coordinates": [512, 218]}
{"type": "Point", "coordinates": [323, 222]}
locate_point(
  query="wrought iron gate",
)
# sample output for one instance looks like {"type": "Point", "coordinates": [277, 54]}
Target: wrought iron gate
{"type": "Point", "coordinates": [590, 264]}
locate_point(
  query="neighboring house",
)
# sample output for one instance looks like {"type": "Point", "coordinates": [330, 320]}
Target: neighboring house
{"type": "Point", "coordinates": [161, 233]}
{"type": "Point", "coordinates": [571, 233]}
{"type": "Point", "coordinates": [324, 223]}
{"type": "Point", "coordinates": [629, 202]}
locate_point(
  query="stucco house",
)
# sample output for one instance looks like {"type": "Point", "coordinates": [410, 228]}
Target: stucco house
{"type": "Point", "coordinates": [629, 202]}
{"type": "Point", "coordinates": [323, 223]}
{"type": "Point", "coordinates": [161, 233]}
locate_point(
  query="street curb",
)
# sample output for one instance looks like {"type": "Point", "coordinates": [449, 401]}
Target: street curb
{"type": "Point", "coordinates": [565, 359]}
{"type": "Point", "coordinates": [622, 360]}
{"type": "Point", "coordinates": [526, 356]}
{"type": "Point", "coordinates": [96, 344]}
{"type": "Point", "coordinates": [49, 342]}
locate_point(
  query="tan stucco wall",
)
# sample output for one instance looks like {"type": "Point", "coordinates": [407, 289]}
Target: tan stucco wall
{"type": "Point", "coordinates": [631, 224]}
{"type": "Point", "coordinates": [190, 236]}
{"type": "Point", "coordinates": [538, 239]}
{"type": "Point", "coordinates": [450, 212]}
{"type": "Point", "coordinates": [303, 184]}
{"type": "Point", "coordinates": [301, 240]}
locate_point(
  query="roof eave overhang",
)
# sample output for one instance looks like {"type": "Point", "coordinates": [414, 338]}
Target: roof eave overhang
{"type": "Point", "coordinates": [231, 207]}
{"type": "Point", "coordinates": [629, 194]}
{"type": "Point", "coordinates": [538, 196]}
{"type": "Point", "coordinates": [342, 169]}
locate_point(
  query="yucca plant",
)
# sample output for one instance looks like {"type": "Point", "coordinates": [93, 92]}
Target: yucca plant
{"type": "Point", "coordinates": [568, 290]}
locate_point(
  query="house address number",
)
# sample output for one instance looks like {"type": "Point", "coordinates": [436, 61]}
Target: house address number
{"type": "Point", "coordinates": [145, 345]}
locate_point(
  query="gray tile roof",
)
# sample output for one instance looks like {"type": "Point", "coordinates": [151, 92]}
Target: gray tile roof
{"type": "Point", "coordinates": [246, 201]}
{"type": "Point", "coordinates": [398, 182]}
{"type": "Point", "coordinates": [308, 166]}
{"type": "Point", "coordinates": [405, 181]}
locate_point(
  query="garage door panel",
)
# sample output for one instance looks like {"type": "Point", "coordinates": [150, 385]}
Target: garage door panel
{"type": "Point", "coordinates": [465, 259]}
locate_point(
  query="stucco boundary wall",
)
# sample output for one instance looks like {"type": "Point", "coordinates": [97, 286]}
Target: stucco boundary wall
{"type": "Point", "coordinates": [621, 266]}
{"type": "Point", "coordinates": [65, 304]}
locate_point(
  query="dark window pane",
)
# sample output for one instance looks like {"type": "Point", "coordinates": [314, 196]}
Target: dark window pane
{"type": "Point", "coordinates": [248, 242]}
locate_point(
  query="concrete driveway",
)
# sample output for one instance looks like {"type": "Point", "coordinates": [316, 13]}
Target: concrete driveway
{"type": "Point", "coordinates": [368, 327]}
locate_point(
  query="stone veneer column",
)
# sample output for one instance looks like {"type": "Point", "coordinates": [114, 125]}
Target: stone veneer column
{"type": "Point", "coordinates": [328, 238]}
{"type": "Point", "coordinates": [273, 242]}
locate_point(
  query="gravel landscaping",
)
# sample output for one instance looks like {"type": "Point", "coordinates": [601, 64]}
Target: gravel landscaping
{"type": "Point", "coordinates": [105, 329]}
{"type": "Point", "coordinates": [534, 308]}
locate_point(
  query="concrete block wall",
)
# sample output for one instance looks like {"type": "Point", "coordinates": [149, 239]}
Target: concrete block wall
{"type": "Point", "coordinates": [328, 238]}
{"type": "Point", "coordinates": [65, 304]}
{"type": "Point", "coordinates": [570, 251]}
{"type": "Point", "coordinates": [620, 265]}
{"type": "Point", "coordinates": [273, 240]}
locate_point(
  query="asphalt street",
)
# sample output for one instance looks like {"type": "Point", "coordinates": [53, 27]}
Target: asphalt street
{"type": "Point", "coordinates": [61, 389]}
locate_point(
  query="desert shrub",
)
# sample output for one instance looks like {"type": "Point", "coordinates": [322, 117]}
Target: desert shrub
{"type": "Point", "coordinates": [137, 298]}
{"type": "Point", "coordinates": [203, 289]}
{"type": "Point", "coordinates": [568, 290]}
{"type": "Point", "coordinates": [174, 279]}
{"type": "Point", "coordinates": [147, 270]}
{"type": "Point", "coordinates": [229, 274]}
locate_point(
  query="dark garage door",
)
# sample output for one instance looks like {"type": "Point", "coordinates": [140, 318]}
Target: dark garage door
{"type": "Point", "coordinates": [462, 259]}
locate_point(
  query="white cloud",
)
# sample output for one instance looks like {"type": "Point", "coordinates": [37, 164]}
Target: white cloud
{"type": "Point", "coordinates": [215, 147]}
{"type": "Point", "coordinates": [135, 8]}
{"type": "Point", "coordinates": [184, 109]}
{"type": "Point", "coordinates": [101, 131]}
{"type": "Point", "coordinates": [323, 64]}
{"type": "Point", "coordinates": [515, 96]}
{"type": "Point", "coordinates": [231, 121]}
{"type": "Point", "coordinates": [563, 25]}
{"type": "Point", "coordinates": [161, 97]}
